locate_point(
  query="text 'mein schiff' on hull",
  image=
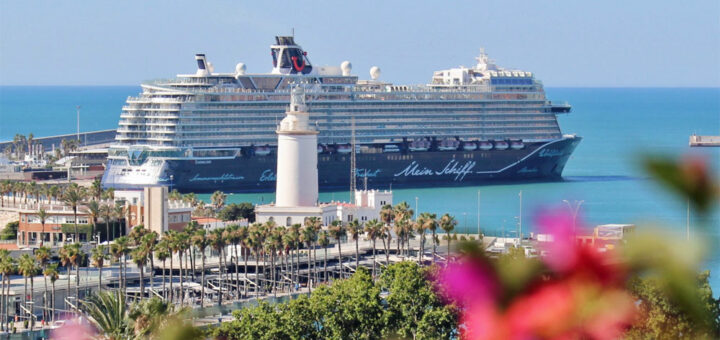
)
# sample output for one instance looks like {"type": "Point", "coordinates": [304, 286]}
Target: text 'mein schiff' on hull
{"type": "Point", "coordinates": [216, 131]}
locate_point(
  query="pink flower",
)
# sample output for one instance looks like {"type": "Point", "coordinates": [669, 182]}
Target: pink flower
{"type": "Point", "coordinates": [468, 281]}
{"type": "Point", "coordinates": [562, 250]}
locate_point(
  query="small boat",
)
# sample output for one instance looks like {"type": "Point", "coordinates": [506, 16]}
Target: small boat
{"type": "Point", "coordinates": [320, 149]}
{"type": "Point", "coordinates": [501, 145]}
{"type": "Point", "coordinates": [484, 145]}
{"type": "Point", "coordinates": [470, 146]}
{"type": "Point", "coordinates": [262, 150]}
{"type": "Point", "coordinates": [448, 145]}
{"type": "Point", "coordinates": [344, 148]}
{"type": "Point", "coordinates": [517, 144]}
{"type": "Point", "coordinates": [419, 145]}
{"type": "Point", "coordinates": [391, 148]}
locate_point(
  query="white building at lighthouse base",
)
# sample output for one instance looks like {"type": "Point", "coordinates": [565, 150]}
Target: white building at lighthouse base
{"type": "Point", "coordinates": [367, 207]}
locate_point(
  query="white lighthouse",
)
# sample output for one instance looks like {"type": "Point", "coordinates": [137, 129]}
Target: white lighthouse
{"type": "Point", "coordinates": [297, 173]}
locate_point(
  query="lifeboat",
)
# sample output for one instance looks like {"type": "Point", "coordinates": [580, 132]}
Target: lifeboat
{"type": "Point", "coordinates": [485, 146]}
{"type": "Point", "coordinates": [320, 149]}
{"type": "Point", "coordinates": [419, 145]}
{"type": "Point", "coordinates": [501, 145]}
{"type": "Point", "coordinates": [448, 145]}
{"type": "Point", "coordinates": [391, 148]}
{"type": "Point", "coordinates": [470, 146]}
{"type": "Point", "coordinates": [344, 148]}
{"type": "Point", "coordinates": [517, 144]}
{"type": "Point", "coordinates": [262, 150]}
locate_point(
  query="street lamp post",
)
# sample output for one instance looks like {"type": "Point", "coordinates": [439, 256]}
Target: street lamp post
{"type": "Point", "coordinates": [574, 211]}
{"type": "Point", "coordinates": [520, 217]}
{"type": "Point", "coordinates": [78, 122]}
{"type": "Point", "coordinates": [478, 214]}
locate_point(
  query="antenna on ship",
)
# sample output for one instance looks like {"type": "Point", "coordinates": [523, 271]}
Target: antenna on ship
{"type": "Point", "coordinates": [353, 172]}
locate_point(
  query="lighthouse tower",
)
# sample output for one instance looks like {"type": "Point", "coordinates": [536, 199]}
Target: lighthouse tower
{"type": "Point", "coordinates": [297, 173]}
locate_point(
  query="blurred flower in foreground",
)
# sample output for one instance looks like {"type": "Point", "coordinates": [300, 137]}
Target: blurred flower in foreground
{"type": "Point", "coordinates": [575, 293]}
{"type": "Point", "coordinates": [74, 329]}
{"type": "Point", "coordinates": [689, 176]}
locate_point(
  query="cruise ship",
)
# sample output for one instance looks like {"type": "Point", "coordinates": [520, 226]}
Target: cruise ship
{"type": "Point", "coordinates": [211, 131]}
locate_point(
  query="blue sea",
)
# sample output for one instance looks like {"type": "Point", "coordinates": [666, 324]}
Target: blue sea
{"type": "Point", "coordinates": [619, 126]}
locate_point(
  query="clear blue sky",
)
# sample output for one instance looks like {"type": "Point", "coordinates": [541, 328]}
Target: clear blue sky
{"type": "Point", "coordinates": [566, 43]}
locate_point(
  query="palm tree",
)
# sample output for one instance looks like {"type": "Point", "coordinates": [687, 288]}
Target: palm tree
{"type": "Point", "coordinates": [309, 236]}
{"type": "Point", "coordinates": [162, 252]}
{"type": "Point", "coordinates": [118, 249]}
{"type": "Point", "coordinates": [140, 257]}
{"type": "Point", "coordinates": [386, 235]}
{"type": "Point", "coordinates": [51, 271]}
{"type": "Point", "coordinates": [149, 240]}
{"type": "Point", "coordinates": [118, 215]}
{"type": "Point", "coordinates": [169, 237]}
{"type": "Point", "coordinates": [77, 259]}
{"type": "Point", "coordinates": [93, 210]}
{"type": "Point", "coordinates": [218, 199]}
{"type": "Point", "coordinates": [232, 236]}
{"type": "Point", "coordinates": [255, 242]}
{"type": "Point", "coordinates": [54, 192]}
{"type": "Point", "coordinates": [108, 312]}
{"type": "Point", "coordinates": [428, 222]}
{"type": "Point", "coordinates": [242, 235]}
{"type": "Point", "coordinates": [431, 223]}
{"type": "Point", "coordinates": [373, 229]}
{"type": "Point", "coordinates": [42, 215]}
{"type": "Point", "coordinates": [73, 195]}
{"type": "Point", "coordinates": [289, 239]}
{"type": "Point", "coordinates": [66, 253]}
{"type": "Point", "coordinates": [217, 242]}
{"type": "Point", "coordinates": [337, 232]}
{"type": "Point", "coordinates": [43, 255]}
{"type": "Point", "coordinates": [448, 223]}
{"type": "Point", "coordinates": [175, 195]}
{"type": "Point", "coordinates": [28, 268]}
{"type": "Point", "coordinates": [96, 190]}
{"type": "Point", "coordinates": [7, 267]}
{"type": "Point", "coordinates": [98, 260]}
{"type": "Point", "coordinates": [270, 243]}
{"type": "Point", "coordinates": [32, 188]}
{"type": "Point", "coordinates": [324, 241]}
{"type": "Point", "coordinates": [200, 241]}
{"type": "Point", "coordinates": [403, 215]}
{"type": "Point", "coordinates": [106, 213]}
{"type": "Point", "coordinates": [387, 215]}
{"type": "Point", "coordinates": [354, 230]}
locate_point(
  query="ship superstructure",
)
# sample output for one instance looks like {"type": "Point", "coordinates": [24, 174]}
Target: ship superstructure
{"type": "Point", "coordinates": [206, 131]}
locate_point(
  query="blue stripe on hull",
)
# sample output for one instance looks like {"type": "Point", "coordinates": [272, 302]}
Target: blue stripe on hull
{"type": "Point", "coordinates": [535, 162]}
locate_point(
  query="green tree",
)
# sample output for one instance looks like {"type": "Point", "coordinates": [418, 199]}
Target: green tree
{"type": "Point", "coordinates": [354, 229]}
{"type": "Point", "coordinates": [236, 211]}
{"type": "Point", "coordinates": [351, 309]}
{"type": "Point", "coordinates": [663, 319]}
{"type": "Point", "coordinates": [413, 308]}
{"type": "Point", "coordinates": [262, 322]}
{"type": "Point", "coordinates": [10, 231]}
